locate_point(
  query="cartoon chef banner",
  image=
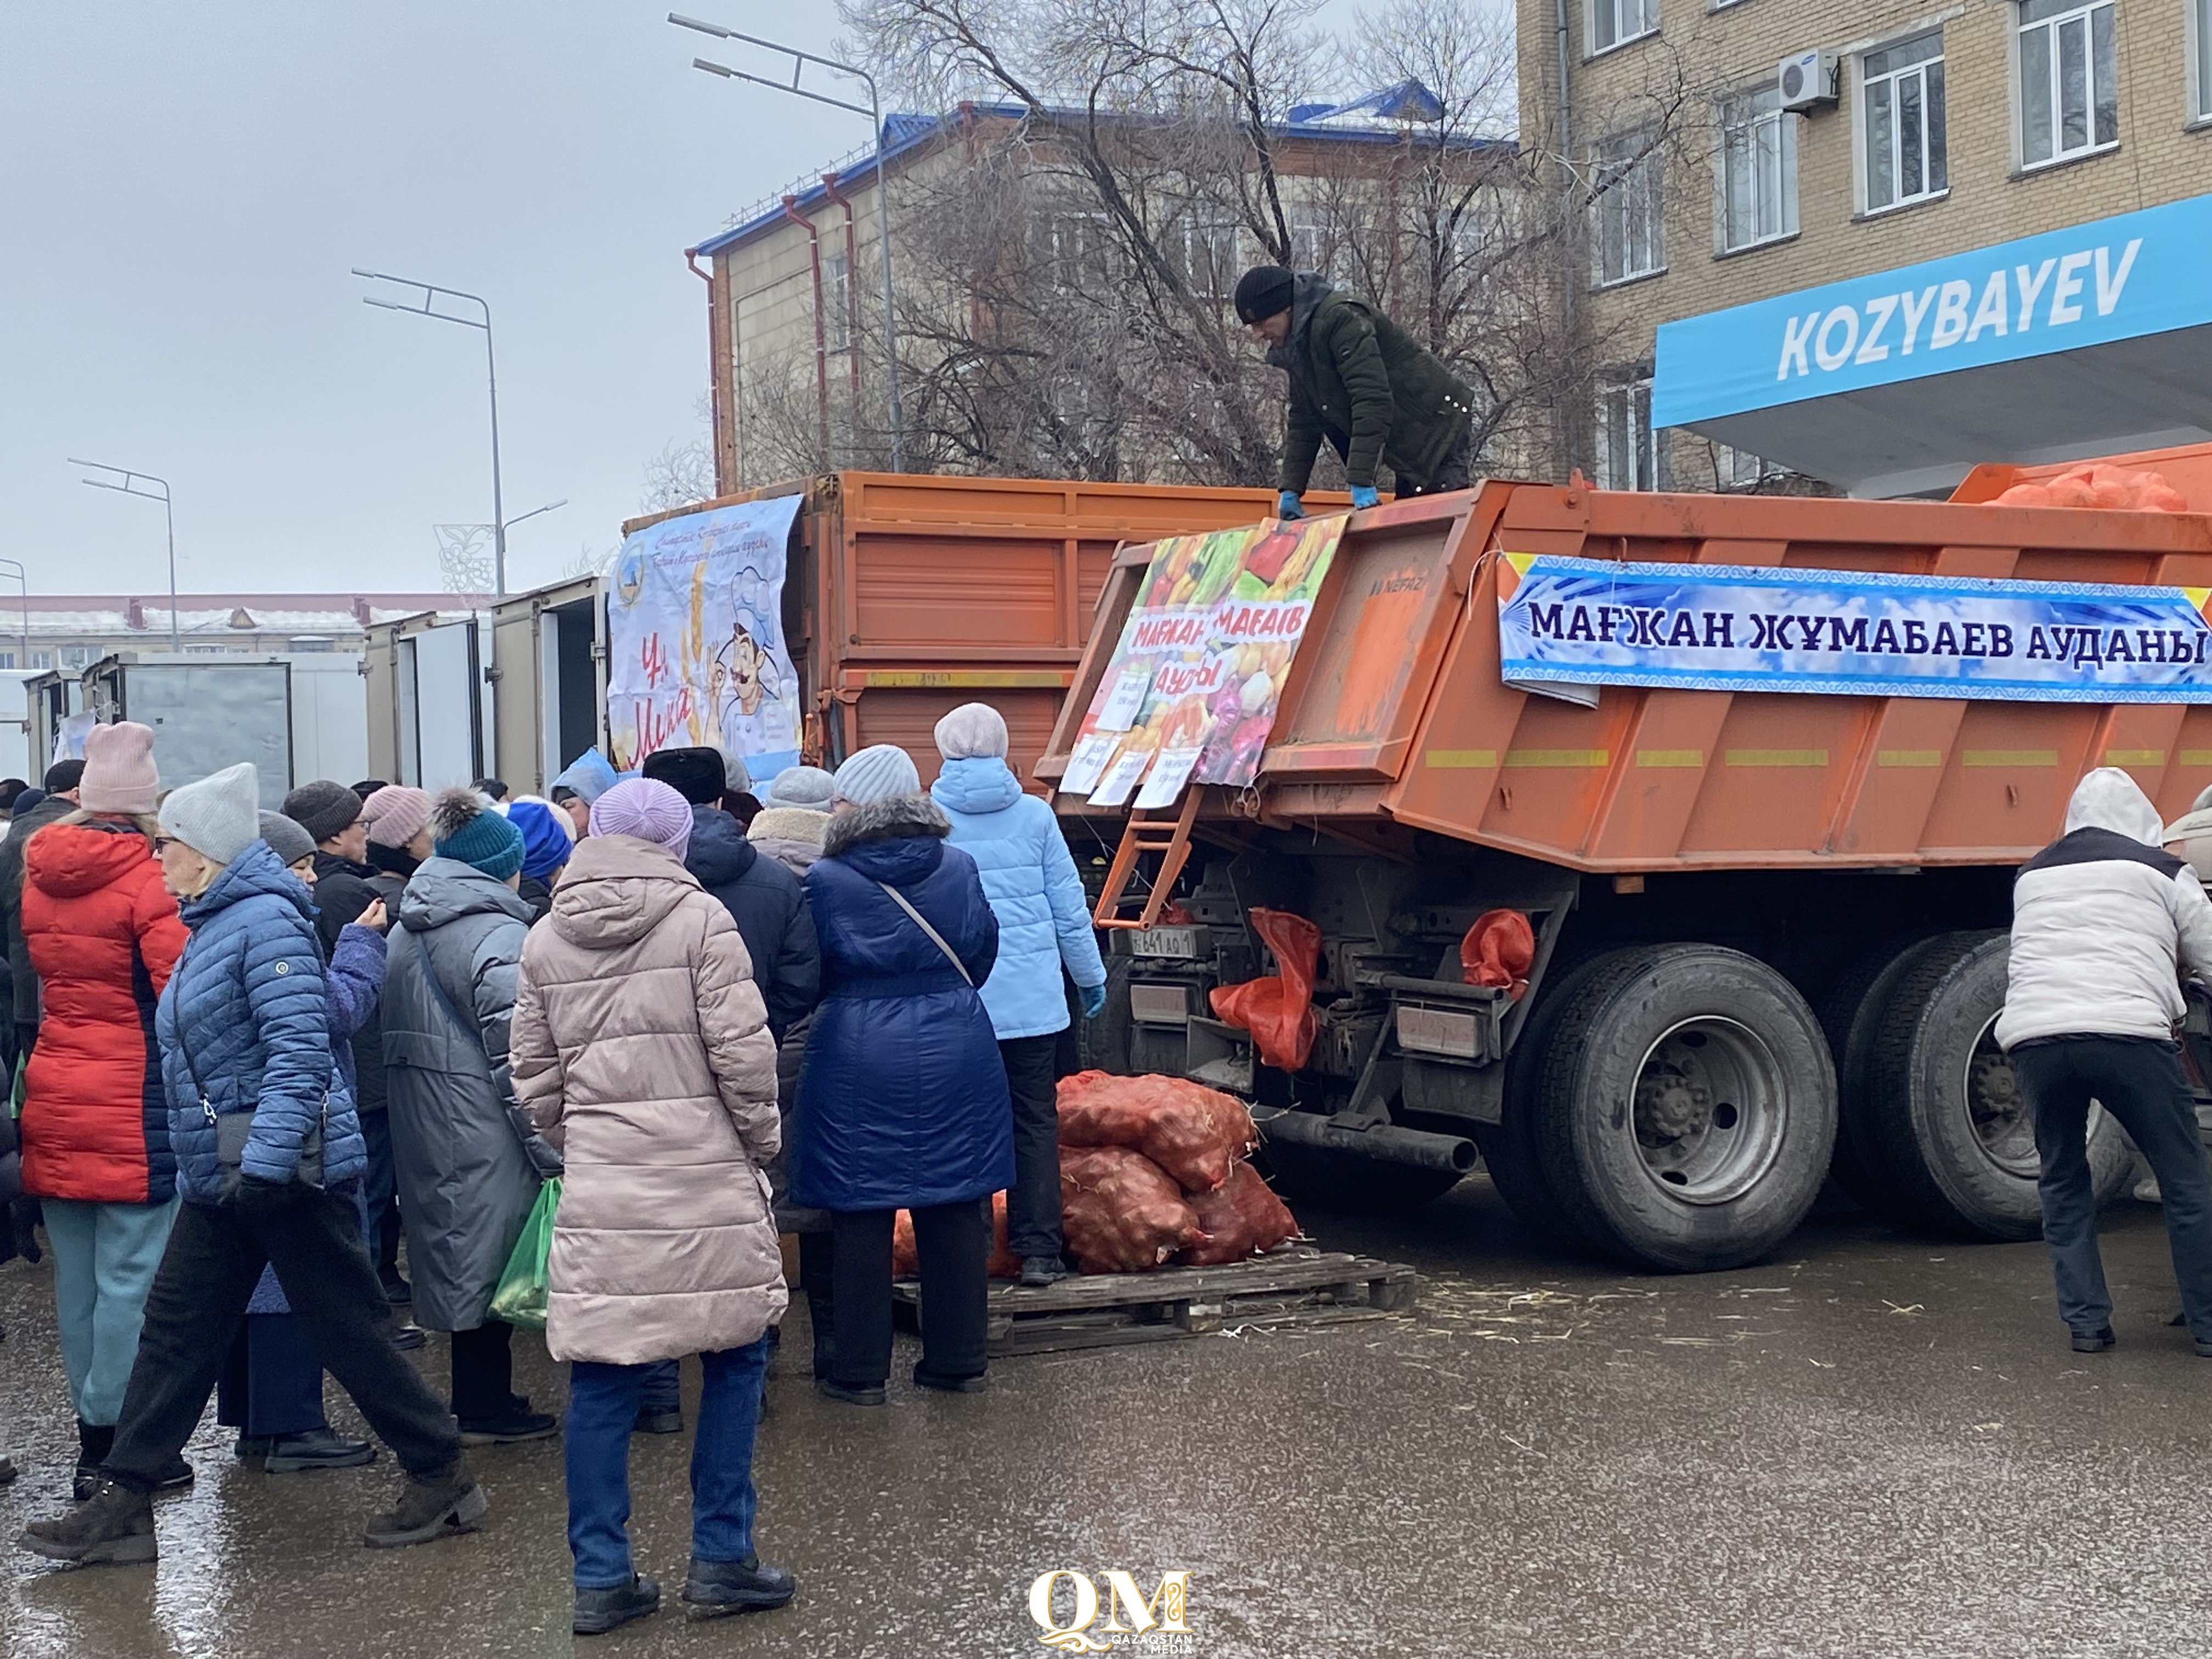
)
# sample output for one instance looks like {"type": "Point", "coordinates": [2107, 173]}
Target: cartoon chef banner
{"type": "Point", "coordinates": [696, 624]}
{"type": "Point", "coordinates": [1193, 686]}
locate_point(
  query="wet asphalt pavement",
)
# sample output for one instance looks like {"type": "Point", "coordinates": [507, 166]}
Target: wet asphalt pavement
{"type": "Point", "coordinates": [1875, 1445]}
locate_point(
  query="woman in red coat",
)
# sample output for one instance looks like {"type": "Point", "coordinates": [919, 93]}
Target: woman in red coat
{"type": "Point", "coordinates": [103, 935]}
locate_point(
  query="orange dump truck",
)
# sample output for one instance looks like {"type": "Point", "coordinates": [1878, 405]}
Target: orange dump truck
{"type": "Point", "coordinates": [1766, 923]}
{"type": "Point", "coordinates": [911, 594]}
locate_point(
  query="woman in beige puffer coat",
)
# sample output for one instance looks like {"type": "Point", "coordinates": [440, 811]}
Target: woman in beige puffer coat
{"type": "Point", "coordinates": [641, 1048]}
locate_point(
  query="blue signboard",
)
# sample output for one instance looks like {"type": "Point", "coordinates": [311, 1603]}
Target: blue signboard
{"type": "Point", "coordinates": [2119, 278]}
{"type": "Point", "coordinates": [1722, 628]}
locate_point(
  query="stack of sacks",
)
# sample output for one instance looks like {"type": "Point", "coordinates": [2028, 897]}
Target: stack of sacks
{"type": "Point", "coordinates": [2100, 485]}
{"type": "Point", "coordinates": [1153, 1168]}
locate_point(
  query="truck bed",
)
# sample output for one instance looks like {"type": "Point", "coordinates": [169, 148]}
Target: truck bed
{"type": "Point", "coordinates": [1395, 718]}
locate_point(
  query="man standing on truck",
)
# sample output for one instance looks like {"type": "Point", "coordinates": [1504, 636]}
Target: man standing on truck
{"type": "Point", "coordinates": [1362, 382]}
{"type": "Point", "coordinates": [2102, 920]}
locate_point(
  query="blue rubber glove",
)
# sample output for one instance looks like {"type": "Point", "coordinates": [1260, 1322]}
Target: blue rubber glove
{"type": "Point", "coordinates": [1364, 496]}
{"type": "Point", "coordinates": [1286, 506]}
{"type": "Point", "coordinates": [1093, 1000]}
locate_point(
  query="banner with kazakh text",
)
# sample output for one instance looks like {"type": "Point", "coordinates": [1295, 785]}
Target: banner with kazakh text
{"type": "Point", "coordinates": [1727, 628]}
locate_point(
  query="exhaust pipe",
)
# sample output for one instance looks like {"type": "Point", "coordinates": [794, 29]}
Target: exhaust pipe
{"type": "Point", "coordinates": [1386, 1143]}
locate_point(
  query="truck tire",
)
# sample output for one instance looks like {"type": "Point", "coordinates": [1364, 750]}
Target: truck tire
{"type": "Point", "coordinates": [1331, 1180]}
{"type": "Point", "coordinates": [1689, 1125]}
{"type": "Point", "coordinates": [1955, 1139]}
{"type": "Point", "coordinates": [1850, 1014]}
{"type": "Point", "coordinates": [1509, 1148]}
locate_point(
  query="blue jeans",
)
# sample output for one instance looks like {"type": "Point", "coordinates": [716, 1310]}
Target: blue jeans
{"type": "Point", "coordinates": [603, 1406]}
{"type": "Point", "coordinates": [272, 1385]}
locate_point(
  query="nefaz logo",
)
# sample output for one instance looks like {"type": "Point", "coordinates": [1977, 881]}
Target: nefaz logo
{"type": "Point", "coordinates": [1134, 1622]}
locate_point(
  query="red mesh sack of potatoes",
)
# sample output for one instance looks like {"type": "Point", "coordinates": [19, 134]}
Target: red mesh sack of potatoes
{"type": "Point", "coordinates": [1242, 1218]}
{"type": "Point", "coordinates": [1120, 1212]}
{"type": "Point", "coordinates": [1193, 1132]}
{"type": "Point", "coordinates": [2101, 485]}
{"type": "Point", "coordinates": [1277, 1009]}
{"type": "Point", "coordinates": [906, 1258]}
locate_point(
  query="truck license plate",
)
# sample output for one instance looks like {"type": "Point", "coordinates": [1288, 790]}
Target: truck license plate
{"type": "Point", "coordinates": [1179, 942]}
{"type": "Point", "coordinates": [1434, 1031]}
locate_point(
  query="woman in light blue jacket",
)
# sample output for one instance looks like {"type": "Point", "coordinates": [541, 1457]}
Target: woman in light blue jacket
{"type": "Point", "coordinates": [1044, 924]}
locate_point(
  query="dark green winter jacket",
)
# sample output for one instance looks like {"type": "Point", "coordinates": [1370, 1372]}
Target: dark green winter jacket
{"type": "Point", "coordinates": [1361, 381]}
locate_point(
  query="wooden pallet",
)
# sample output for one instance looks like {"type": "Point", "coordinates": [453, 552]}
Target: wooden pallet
{"type": "Point", "coordinates": [1295, 1284]}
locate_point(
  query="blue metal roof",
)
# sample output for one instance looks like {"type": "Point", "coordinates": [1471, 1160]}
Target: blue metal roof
{"type": "Point", "coordinates": [1378, 117]}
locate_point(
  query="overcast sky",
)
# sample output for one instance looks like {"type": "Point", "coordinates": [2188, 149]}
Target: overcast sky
{"type": "Point", "coordinates": [183, 189]}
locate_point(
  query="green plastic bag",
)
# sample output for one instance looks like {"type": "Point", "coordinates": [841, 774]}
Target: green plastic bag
{"type": "Point", "coordinates": [521, 1297]}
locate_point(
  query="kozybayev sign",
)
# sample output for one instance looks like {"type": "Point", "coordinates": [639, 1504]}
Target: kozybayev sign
{"type": "Point", "coordinates": [1722, 628]}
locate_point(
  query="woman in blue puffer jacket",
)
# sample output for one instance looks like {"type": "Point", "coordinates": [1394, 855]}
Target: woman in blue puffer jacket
{"type": "Point", "coordinates": [269, 1160]}
{"type": "Point", "coordinates": [1044, 925]}
{"type": "Point", "coordinates": [902, 1099]}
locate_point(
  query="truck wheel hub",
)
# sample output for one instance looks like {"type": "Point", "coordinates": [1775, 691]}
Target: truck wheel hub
{"type": "Point", "coordinates": [1708, 1111]}
{"type": "Point", "coordinates": [2003, 1124]}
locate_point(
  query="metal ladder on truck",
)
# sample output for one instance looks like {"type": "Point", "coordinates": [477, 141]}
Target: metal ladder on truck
{"type": "Point", "coordinates": [1146, 833]}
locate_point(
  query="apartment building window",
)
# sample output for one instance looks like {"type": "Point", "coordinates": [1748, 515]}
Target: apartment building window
{"type": "Point", "coordinates": [1758, 170]}
{"type": "Point", "coordinates": [1627, 458]}
{"type": "Point", "coordinates": [1206, 251]}
{"type": "Point", "coordinates": [1630, 240]}
{"type": "Point", "coordinates": [2069, 88]}
{"type": "Point", "coordinates": [1902, 113]}
{"type": "Point", "coordinates": [1738, 469]}
{"type": "Point", "coordinates": [2200, 19]}
{"type": "Point", "coordinates": [42, 660]}
{"type": "Point", "coordinates": [1613, 22]}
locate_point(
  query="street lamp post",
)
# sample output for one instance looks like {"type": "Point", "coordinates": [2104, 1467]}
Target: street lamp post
{"type": "Point", "coordinates": [874, 112]}
{"type": "Point", "coordinates": [129, 487]}
{"type": "Point", "coordinates": [428, 308]}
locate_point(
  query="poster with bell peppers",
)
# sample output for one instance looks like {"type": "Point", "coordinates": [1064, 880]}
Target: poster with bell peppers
{"type": "Point", "coordinates": [1191, 689]}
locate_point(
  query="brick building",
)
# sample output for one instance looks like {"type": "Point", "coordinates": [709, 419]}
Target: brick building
{"type": "Point", "coordinates": [1921, 131]}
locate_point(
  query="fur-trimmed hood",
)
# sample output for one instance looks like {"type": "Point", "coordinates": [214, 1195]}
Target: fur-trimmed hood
{"type": "Point", "coordinates": [896, 819]}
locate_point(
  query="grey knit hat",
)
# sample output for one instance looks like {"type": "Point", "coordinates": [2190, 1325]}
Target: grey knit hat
{"type": "Point", "coordinates": [809, 788]}
{"type": "Point", "coordinates": [973, 731]}
{"type": "Point", "coordinates": [883, 771]}
{"type": "Point", "coordinates": [219, 817]}
{"type": "Point", "coordinates": [287, 837]}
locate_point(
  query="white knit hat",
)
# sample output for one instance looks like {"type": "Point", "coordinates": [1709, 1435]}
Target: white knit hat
{"type": "Point", "coordinates": [219, 817]}
{"type": "Point", "coordinates": [882, 772]}
{"type": "Point", "coordinates": [973, 730]}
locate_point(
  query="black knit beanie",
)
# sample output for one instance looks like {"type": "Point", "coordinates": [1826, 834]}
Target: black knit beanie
{"type": "Point", "coordinates": [1262, 291]}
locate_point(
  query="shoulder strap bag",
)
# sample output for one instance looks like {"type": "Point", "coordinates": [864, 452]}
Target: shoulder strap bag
{"type": "Point", "coordinates": [935, 938]}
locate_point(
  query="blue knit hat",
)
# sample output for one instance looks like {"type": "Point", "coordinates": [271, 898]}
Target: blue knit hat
{"type": "Point", "coordinates": [545, 844]}
{"type": "Point", "coordinates": [464, 826]}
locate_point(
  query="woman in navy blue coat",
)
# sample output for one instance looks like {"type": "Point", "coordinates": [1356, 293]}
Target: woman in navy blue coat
{"type": "Point", "coordinates": [902, 1104]}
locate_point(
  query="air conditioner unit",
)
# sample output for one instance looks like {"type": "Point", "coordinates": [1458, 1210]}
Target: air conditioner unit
{"type": "Point", "coordinates": [1807, 80]}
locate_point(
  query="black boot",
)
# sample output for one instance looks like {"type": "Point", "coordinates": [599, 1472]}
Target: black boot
{"type": "Point", "coordinates": [431, 1506]}
{"type": "Point", "coordinates": [317, 1449]}
{"type": "Point", "coordinates": [598, 1611]}
{"type": "Point", "coordinates": [114, 1526]}
{"type": "Point", "coordinates": [93, 1442]}
{"type": "Point", "coordinates": [715, 1588]}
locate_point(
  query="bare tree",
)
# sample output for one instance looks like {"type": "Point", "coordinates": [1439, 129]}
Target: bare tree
{"type": "Point", "coordinates": [681, 473]}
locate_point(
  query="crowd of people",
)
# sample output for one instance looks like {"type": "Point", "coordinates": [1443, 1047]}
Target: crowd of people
{"type": "Point", "coordinates": [252, 1051]}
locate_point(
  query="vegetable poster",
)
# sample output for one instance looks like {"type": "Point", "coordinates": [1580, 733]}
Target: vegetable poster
{"type": "Point", "coordinates": [696, 624]}
{"type": "Point", "coordinates": [1192, 688]}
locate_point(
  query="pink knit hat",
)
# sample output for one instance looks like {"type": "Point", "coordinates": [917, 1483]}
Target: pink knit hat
{"type": "Point", "coordinates": [648, 809]}
{"type": "Point", "coordinates": [394, 813]}
{"type": "Point", "coordinates": [118, 769]}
